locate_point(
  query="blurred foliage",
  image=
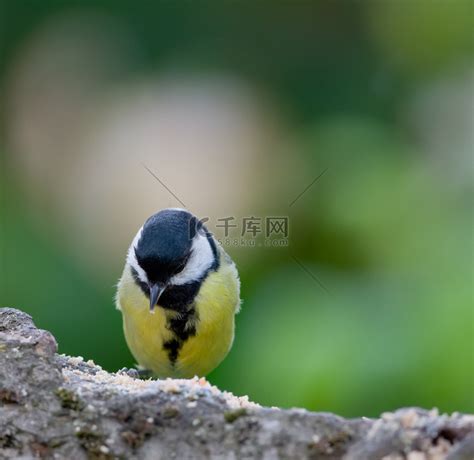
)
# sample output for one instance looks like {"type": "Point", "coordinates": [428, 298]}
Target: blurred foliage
{"type": "Point", "coordinates": [384, 230]}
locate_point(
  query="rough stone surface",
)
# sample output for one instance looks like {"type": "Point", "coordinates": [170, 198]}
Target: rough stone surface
{"type": "Point", "coordinates": [54, 406]}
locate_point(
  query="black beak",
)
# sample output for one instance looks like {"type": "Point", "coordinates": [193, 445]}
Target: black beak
{"type": "Point", "coordinates": [155, 293]}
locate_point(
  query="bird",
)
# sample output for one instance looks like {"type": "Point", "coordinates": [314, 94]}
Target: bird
{"type": "Point", "coordinates": [179, 293]}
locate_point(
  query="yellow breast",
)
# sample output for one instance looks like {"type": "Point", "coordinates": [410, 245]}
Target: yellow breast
{"type": "Point", "coordinates": [148, 333]}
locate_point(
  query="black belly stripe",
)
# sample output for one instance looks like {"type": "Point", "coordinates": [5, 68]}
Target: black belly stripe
{"type": "Point", "coordinates": [172, 347]}
{"type": "Point", "coordinates": [182, 328]}
{"type": "Point", "coordinates": [180, 299]}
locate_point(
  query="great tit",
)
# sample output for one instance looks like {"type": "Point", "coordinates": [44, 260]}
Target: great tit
{"type": "Point", "coordinates": [178, 294]}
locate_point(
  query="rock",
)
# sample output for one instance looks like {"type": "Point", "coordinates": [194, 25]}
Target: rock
{"type": "Point", "coordinates": [55, 406]}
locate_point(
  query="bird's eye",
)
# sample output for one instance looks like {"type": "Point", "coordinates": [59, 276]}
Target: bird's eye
{"type": "Point", "coordinates": [181, 266]}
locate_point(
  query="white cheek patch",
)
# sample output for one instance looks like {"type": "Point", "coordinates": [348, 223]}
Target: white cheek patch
{"type": "Point", "coordinates": [200, 261]}
{"type": "Point", "coordinates": [132, 258]}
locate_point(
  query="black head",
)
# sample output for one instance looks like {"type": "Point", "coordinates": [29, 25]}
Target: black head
{"type": "Point", "coordinates": [172, 251]}
{"type": "Point", "coordinates": [165, 244]}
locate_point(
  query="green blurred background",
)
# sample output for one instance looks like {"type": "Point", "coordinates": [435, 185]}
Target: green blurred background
{"type": "Point", "coordinates": [238, 107]}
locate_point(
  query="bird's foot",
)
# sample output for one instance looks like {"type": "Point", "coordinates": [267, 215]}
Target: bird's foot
{"type": "Point", "coordinates": [142, 374]}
